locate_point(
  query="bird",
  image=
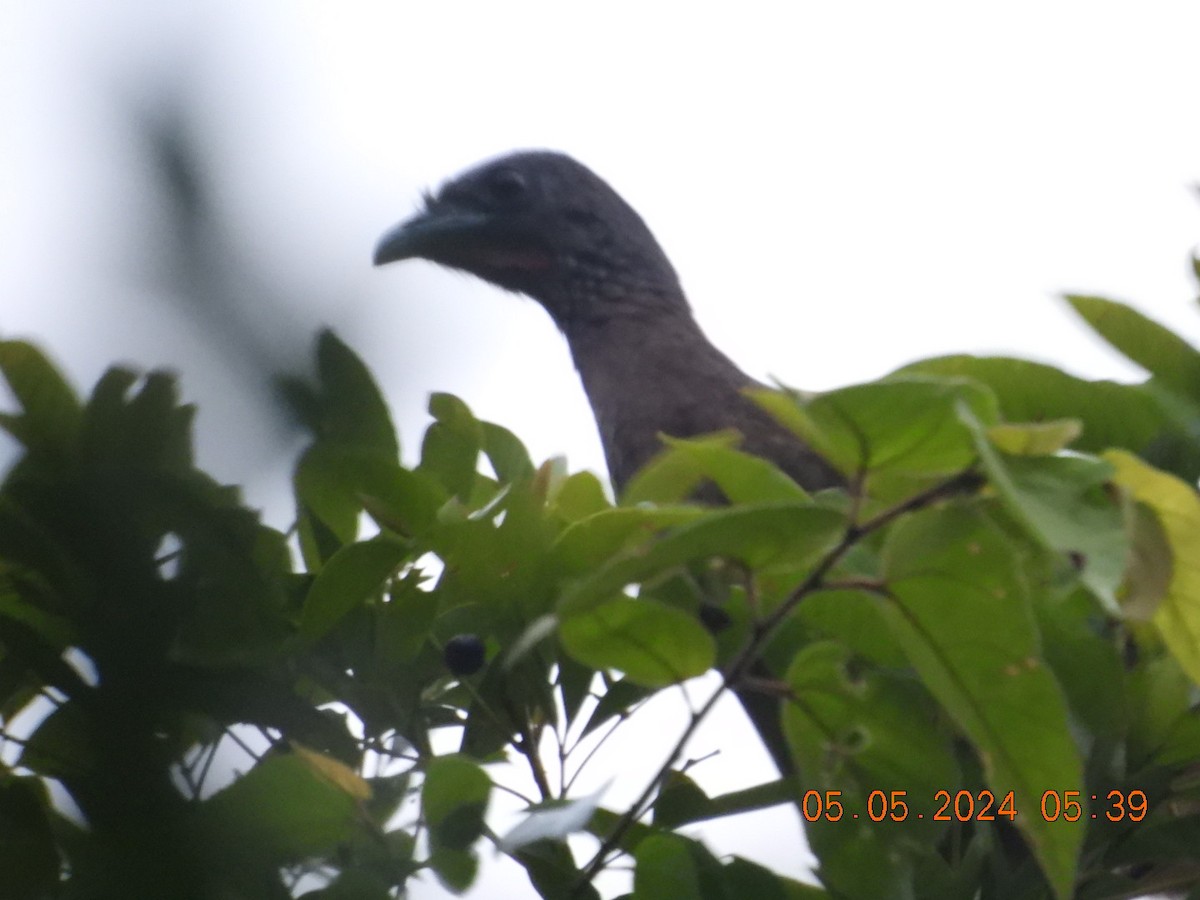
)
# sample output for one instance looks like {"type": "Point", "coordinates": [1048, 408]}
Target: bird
{"type": "Point", "coordinates": [540, 223]}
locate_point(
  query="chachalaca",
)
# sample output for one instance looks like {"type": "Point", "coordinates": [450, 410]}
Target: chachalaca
{"type": "Point", "coordinates": [542, 224]}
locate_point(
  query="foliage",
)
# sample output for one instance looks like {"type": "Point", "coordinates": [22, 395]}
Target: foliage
{"type": "Point", "coordinates": [986, 649]}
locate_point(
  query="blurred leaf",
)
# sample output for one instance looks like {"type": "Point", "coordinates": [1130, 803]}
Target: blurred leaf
{"type": "Point", "coordinates": [29, 858]}
{"type": "Point", "coordinates": [50, 415]}
{"type": "Point", "coordinates": [1086, 663]}
{"type": "Point", "coordinates": [1150, 567]}
{"type": "Point", "coordinates": [336, 484]}
{"type": "Point", "coordinates": [333, 771]}
{"type": "Point", "coordinates": [590, 541]}
{"type": "Point", "coordinates": [620, 697]}
{"type": "Point", "coordinates": [665, 868]}
{"type": "Point", "coordinates": [673, 474]}
{"type": "Point", "coordinates": [1160, 701]}
{"type": "Point", "coordinates": [552, 822]}
{"type": "Point", "coordinates": [452, 443]}
{"type": "Point", "coordinates": [353, 574]}
{"type": "Point", "coordinates": [353, 411]}
{"type": "Point", "coordinates": [454, 799]}
{"type": "Point", "coordinates": [680, 801]}
{"type": "Point", "coordinates": [578, 496]}
{"type": "Point", "coordinates": [959, 607]}
{"type": "Point", "coordinates": [507, 454]}
{"type": "Point", "coordinates": [1113, 414]}
{"type": "Point", "coordinates": [279, 812]}
{"type": "Point", "coordinates": [1168, 357]}
{"type": "Point", "coordinates": [521, 690]}
{"type": "Point", "coordinates": [901, 426]}
{"type": "Point", "coordinates": [456, 869]}
{"type": "Point", "coordinates": [62, 746]}
{"type": "Point", "coordinates": [759, 535]}
{"type": "Point", "coordinates": [55, 630]}
{"type": "Point", "coordinates": [352, 885]}
{"type": "Point", "coordinates": [1034, 438]}
{"type": "Point", "coordinates": [1178, 509]}
{"type": "Point", "coordinates": [133, 426]}
{"type": "Point", "coordinates": [653, 644]}
{"type": "Point", "coordinates": [553, 872]}
{"type": "Point", "coordinates": [404, 622]}
{"type": "Point", "coordinates": [744, 878]}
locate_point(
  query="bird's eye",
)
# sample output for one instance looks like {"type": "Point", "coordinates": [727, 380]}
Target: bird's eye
{"type": "Point", "coordinates": [507, 185]}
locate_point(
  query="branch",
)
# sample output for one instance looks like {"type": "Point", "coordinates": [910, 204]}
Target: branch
{"type": "Point", "coordinates": [741, 663]}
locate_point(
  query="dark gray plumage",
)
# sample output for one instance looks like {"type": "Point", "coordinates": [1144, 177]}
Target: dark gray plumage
{"type": "Point", "coordinates": [543, 224]}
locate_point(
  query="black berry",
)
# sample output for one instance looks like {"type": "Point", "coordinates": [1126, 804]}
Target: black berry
{"type": "Point", "coordinates": [713, 618]}
{"type": "Point", "coordinates": [463, 654]}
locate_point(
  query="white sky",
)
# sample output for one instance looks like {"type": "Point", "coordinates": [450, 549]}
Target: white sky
{"type": "Point", "coordinates": [843, 187]}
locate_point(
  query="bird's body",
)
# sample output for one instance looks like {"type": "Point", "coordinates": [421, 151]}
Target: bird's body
{"type": "Point", "coordinates": [547, 226]}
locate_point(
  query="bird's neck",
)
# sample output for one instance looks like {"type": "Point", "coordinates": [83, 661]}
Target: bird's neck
{"type": "Point", "coordinates": [651, 374]}
{"type": "Point", "coordinates": [646, 342]}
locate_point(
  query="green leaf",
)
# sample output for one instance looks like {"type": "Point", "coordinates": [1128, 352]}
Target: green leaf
{"type": "Point", "coordinates": [51, 413]}
{"type": "Point", "coordinates": [63, 746]}
{"type": "Point", "coordinates": [680, 801]}
{"type": "Point", "coordinates": [134, 426]}
{"type": "Point", "coordinates": [620, 697]}
{"type": "Point", "coordinates": [902, 427]}
{"type": "Point", "coordinates": [450, 451]}
{"type": "Point", "coordinates": [1086, 663]}
{"type": "Point", "coordinates": [404, 622]}
{"type": "Point", "coordinates": [1178, 509]}
{"type": "Point", "coordinates": [653, 644]}
{"type": "Point", "coordinates": [281, 811]}
{"type": "Point", "coordinates": [54, 630]}
{"type": "Point", "coordinates": [959, 607]}
{"type": "Point", "coordinates": [1168, 357]}
{"type": "Point", "coordinates": [592, 540]}
{"type": "Point", "coordinates": [454, 799]}
{"type": "Point", "coordinates": [353, 885]}
{"type": "Point", "coordinates": [455, 869]}
{"type": "Point", "coordinates": [743, 478]}
{"type": "Point", "coordinates": [1034, 438]}
{"type": "Point", "coordinates": [665, 868]}
{"type": "Point", "coordinates": [743, 878]}
{"type": "Point", "coordinates": [862, 730]}
{"type": "Point", "coordinates": [508, 456]}
{"type": "Point", "coordinates": [352, 575]}
{"type": "Point", "coordinates": [553, 873]}
{"type": "Point", "coordinates": [1161, 697]}
{"type": "Point", "coordinates": [759, 536]}
{"type": "Point", "coordinates": [353, 412]}
{"type": "Point", "coordinates": [1113, 414]}
{"type": "Point", "coordinates": [1064, 503]}
{"type": "Point", "coordinates": [29, 858]}
{"type": "Point", "coordinates": [578, 496]}
{"type": "Point", "coordinates": [336, 483]}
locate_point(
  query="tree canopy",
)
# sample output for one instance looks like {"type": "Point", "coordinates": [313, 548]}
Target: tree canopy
{"type": "Point", "coordinates": [990, 642]}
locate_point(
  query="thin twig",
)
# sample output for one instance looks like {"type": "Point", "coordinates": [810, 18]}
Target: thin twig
{"type": "Point", "coordinates": [527, 746]}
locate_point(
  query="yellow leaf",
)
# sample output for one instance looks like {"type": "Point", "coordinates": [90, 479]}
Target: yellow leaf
{"type": "Point", "coordinates": [1034, 438]}
{"type": "Point", "coordinates": [336, 773]}
{"type": "Point", "coordinates": [1178, 509]}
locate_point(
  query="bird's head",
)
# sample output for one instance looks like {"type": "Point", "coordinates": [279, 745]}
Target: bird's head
{"type": "Point", "coordinates": [543, 224]}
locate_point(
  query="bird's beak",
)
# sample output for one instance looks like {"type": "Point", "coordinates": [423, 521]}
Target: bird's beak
{"type": "Point", "coordinates": [429, 235]}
